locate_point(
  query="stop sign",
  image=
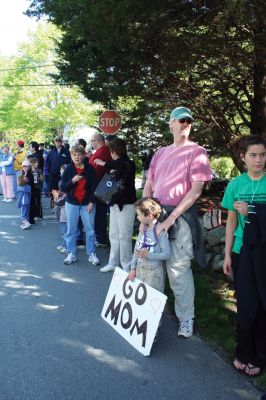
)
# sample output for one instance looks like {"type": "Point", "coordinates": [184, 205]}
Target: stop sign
{"type": "Point", "coordinates": [110, 122]}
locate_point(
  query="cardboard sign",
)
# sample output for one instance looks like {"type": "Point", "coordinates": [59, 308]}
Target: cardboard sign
{"type": "Point", "coordinates": [134, 310]}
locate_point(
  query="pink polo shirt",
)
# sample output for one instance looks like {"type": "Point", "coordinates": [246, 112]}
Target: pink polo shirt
{"type": "Point", "coordinates": [172, 169]}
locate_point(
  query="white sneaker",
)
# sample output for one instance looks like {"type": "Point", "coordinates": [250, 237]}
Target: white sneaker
{"type": "Point", "coordinates": [107, 268]}
{"type": "Point", "coordinates": [62, 249]}
{"type": "Point", "coordinates": [94, 259]}
{"type": "Point", "coordinates": [4, 199]}
{"type": "Point", "coordinates": [9, 200]}
{"type": "Point", "coordinates": [101, 245]}
{"type": "Point", "coordinates": [25, 225]}
{"type": "Point", "coordinates": [185, 328]}
{"type": "Point", "coordinates": [70, 259]}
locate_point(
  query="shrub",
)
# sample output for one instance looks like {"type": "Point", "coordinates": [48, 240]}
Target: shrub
{"type": "Point", "coordinates": [224, 167]}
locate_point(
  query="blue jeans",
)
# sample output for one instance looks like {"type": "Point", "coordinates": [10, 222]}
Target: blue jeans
{"type": "Point", "coordinates": [45, 185]}
{"type": "Point", "coordinates": [24, 212]}
{"type": "Point", "coordinates": [16, 175]}
{"type": "Point", "coordinates": [73, 212]}
{"type": "Point", "coordinates": [63, 230]}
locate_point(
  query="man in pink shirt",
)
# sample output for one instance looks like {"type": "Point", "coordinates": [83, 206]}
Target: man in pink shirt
{"type": "Point", "coordinates": [103, 153]}
{"type": "Point", "coordinates": [176, 177]}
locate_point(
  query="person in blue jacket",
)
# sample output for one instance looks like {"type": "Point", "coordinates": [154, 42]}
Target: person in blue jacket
{"type": "Point", "coordinates": [7, 174]}
{"type": "Point", "coordinates": [24, 195]}
{"type": "Point", "coordinates": [54, 160]}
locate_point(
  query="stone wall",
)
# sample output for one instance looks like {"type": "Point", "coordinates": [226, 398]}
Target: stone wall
{"type": "Point", "coordinates": [215, 245]}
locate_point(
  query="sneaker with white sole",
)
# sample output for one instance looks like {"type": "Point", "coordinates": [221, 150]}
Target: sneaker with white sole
{"type": "Point", "coordinates": [101, 245]}
{"type": "Point", "coordinates": [71, 258]}
{"type": "Point", "coordinates": [107, 268]}
{"type": "Point", "coordinates": [94, 259]}
{"type": "Point", "coordinates": [59, 248]}
{"type": "Point", "coordinates": [25, 225]}
{"type": "Point", "coordinates": [185, 328]}
{"type": "Point", "coordinates": [4, 199]}
{"type": "Point", "coordinates": [62, 249]}
{"type": "Point", "coordinates": [9, 200]}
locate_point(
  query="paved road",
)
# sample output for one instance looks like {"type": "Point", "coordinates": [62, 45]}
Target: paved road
{"type": "Point", "coordinates": [55, 346]}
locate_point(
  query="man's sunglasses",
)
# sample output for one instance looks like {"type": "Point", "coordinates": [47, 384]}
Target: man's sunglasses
{"type": "Point", "coordinates": [187, 120]}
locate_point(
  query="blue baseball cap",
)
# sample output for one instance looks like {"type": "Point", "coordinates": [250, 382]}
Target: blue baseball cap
{"type": "Point", "coordinates": [181, 112]}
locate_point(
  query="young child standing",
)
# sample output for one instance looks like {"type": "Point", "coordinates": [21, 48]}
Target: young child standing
{"type": "Point", "coordinates": [60, 213]}
{"type": "Point", "coordinates": [37, 192]}
{"type": "Point", "coordinates": [24, 194]}
{"type": "Point", "coordinates": [150, 249]}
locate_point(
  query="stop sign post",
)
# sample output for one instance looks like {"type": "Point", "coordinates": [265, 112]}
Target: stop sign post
{"type": "Point", "coordinates": [110, 122]}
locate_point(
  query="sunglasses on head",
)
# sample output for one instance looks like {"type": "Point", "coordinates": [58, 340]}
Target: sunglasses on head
{"type": "Point", "coordinates": [187, 120]}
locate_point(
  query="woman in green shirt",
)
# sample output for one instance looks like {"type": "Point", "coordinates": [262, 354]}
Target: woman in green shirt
{"type": "Point", "coordinates": [248, 188]}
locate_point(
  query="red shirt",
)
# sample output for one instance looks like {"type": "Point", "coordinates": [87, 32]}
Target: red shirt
{"type": "Point", "coordinates": [103, 153]}
{"type": "Point", "coordinates": [80, 188]}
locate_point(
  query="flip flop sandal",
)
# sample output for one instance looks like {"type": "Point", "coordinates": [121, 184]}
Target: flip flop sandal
{"type": "Point", "coordinates": [239, 366]}
{"type": "Point", "coordinates": [250, 367]}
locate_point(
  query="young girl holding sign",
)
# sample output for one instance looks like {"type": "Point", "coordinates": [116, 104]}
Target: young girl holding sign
{"type": "Point", "coordinates": [150, 250]}
{"type": "Point", "coordinates": [245, 199]}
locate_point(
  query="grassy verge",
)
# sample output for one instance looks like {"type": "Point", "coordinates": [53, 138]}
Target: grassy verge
{"type": "Point", "coordinates": [139, 194]}
{"type": "Point", "coordinates": [215, 314]}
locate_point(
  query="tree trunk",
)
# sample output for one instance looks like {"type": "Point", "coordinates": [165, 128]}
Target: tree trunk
{"type": "Point", "coordinates": [258, 109]}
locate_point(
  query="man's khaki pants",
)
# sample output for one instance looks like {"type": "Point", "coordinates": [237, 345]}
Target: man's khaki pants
{"type": "Point", "coordinates": [179, 271]}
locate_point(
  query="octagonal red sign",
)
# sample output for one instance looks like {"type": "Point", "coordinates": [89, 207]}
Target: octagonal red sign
{"type": "Point", "coordinates": [110, 122]}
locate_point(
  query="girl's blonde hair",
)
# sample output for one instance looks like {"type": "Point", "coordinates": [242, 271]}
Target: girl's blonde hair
{"type": "Point", "coordinates": [21, 180]}
{"type": "Point", "coordinates": [149, 205]}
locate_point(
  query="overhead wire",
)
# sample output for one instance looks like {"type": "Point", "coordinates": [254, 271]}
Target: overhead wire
{"type": "Point", "coordinates": [28, 67]}
{"type": "Point", "coordinates": [29, 85]}
{"type": "Point", "coordinates": [55, 84]}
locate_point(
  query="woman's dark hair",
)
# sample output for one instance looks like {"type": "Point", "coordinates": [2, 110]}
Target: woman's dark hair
{"type": "Point", "coordinates": [82, 142]}
{"type": "Point", "coordinates": [119, 146]}
{"type": "Point", "coordinates": [35, 145]}
{"type": "Point", "coordinates": [241, 145]}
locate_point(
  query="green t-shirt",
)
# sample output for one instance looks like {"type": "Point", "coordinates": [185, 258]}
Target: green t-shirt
{"type": "Point", "coordinates": [240, 189]}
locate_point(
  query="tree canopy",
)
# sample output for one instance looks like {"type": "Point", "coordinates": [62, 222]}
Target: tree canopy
{"type": "Point", "coordinates": [32, 105]}
{"type": "Point", "coordinates": [207, 55]}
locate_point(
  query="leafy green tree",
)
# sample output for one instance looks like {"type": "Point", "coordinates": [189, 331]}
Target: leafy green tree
{"type": "Point", "coordinates": [32, 106]}
{"type": "Point", "coordinates": [224, 167]}
{"type": "Point", "coordinates": [208, 55]}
